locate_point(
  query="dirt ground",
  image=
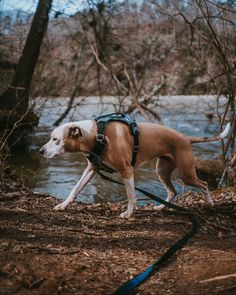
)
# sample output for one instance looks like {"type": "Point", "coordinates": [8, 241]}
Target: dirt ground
{"type": "Point", "coordinates": [87, 249]}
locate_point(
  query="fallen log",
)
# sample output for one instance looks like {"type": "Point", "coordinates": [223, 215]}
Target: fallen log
{"type": "Point", "coordinates": [211, 170]}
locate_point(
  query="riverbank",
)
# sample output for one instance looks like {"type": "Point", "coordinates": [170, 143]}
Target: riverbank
{"type": "Point", "coordinates": [89, 250]}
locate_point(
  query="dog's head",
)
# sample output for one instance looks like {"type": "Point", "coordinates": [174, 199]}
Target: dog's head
{"type": "Point", "coordinates": [65, 138]}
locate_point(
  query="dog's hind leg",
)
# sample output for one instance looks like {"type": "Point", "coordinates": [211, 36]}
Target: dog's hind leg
{"type": "Point", "coordinates": [164, 169]}
{"type": "Point", "coordinates": [188, 175]}
{"type": "Point", "coordinates": [202, 185]}
{"type": "Point", "coordinates": [204, 188]}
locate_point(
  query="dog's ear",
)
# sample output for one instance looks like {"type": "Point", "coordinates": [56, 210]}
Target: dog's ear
{"type": "Point", "coordinates": [75, 132]}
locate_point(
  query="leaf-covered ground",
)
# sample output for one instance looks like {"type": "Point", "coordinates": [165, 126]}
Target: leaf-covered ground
{"type": "Point", "coordinates": [87, 249]}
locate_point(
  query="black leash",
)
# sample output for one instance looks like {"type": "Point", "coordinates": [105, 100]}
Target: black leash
{"type": "Point", "coordinates": [141, 277]}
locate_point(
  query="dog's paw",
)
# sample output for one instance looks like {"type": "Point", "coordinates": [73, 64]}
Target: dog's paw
{"type": "Point", "coordinates": [159, 208]}
{"type": "Point", "coordinates": [61, 206]}
{"type": "Point", "coordinates": [210, 203]}
{"type": "Point", "coordinates": [125, 214]}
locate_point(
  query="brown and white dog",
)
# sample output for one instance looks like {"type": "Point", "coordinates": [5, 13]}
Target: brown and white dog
{"type": "Point", "coordinates": [171, 148]}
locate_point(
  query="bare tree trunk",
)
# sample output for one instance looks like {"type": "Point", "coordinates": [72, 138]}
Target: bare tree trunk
{"type": "Point", "coordinates": [15, 119]}
{"type": "Point", "coordinates": [16, 95]}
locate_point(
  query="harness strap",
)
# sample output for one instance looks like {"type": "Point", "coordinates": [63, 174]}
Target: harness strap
{"type": "Point", "coordinates": [102, 121]}
{"type": "Point", "coordinates": [135, 133]}
{"type": "Point", "coordinates": [95, 154]}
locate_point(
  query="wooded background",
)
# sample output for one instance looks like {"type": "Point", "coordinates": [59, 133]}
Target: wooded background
{"type": "Point", "coordinates": [134, 49]}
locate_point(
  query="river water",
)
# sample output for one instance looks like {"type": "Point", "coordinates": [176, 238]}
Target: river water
{"type": "Point", "coordinates": [57, 176]}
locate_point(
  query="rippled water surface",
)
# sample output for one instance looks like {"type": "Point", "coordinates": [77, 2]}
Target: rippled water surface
{"type": "Point", "coordinates": [57, 176]}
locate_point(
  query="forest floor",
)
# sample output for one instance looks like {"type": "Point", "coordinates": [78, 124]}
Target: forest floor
{"type": "Point", "coordinates": [88, 249]}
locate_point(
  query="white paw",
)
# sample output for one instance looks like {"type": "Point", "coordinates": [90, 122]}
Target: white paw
{"type": "Point", "coordinates": [128, 212]}
{"type": "Point", "coordinates": [211, 203]}
{"type": "Point", "coordinates": [159, 208]}
{"type": "Point", "coordinates": [124, 215]}
{"type": "Point", "coordinates": [61, 206]}
{"type": "Point", "coordinates": [209, 200]}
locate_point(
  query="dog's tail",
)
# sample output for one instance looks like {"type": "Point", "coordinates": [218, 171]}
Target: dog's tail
{"type": "Point", "coordinates": [222, 135]}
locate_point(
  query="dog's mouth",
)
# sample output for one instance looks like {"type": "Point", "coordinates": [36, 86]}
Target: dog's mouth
{"type": "Point", "coordinates": [51, 155]}
{"type": "Point", "coordinates": [47, 156]}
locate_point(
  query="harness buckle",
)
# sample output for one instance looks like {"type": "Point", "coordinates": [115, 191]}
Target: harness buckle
{"type": "Point", "coordinates": [136, 148]}
{"type": "Point", "coordinates": [134, 128]}
{"type": "Point", "coordinates": [100, 138]}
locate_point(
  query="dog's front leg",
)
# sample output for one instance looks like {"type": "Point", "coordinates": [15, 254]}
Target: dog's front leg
{"type": "Point", "coordinates": [130, 192]}
{"type": "Point", "coordinates": [87, 175]}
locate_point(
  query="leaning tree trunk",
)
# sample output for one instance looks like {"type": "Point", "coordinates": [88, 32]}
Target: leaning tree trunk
{"type": "Point", "coordinates": [16, 97]}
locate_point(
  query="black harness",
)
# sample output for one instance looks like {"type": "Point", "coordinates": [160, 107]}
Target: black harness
{"type": "Point", "coordinates": [102, 121]}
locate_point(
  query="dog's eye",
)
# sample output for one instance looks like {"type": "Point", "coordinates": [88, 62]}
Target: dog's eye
{"type": "Point", "coordinates": [56, 141]}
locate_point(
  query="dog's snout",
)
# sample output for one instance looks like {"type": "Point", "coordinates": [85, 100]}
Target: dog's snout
{"type": "Point", "coordinates": [41, 151]}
